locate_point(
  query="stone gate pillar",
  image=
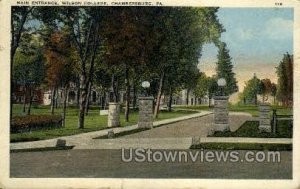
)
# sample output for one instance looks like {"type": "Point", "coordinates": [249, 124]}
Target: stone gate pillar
{"type": "Point", "coordinates": [264, 118]}
{"type": "Point", "coordinates": [145, 112]}
{"type": "Point", "coordinates": [113, 118]}
{"type": "Point", "coordinates": [221, 119]}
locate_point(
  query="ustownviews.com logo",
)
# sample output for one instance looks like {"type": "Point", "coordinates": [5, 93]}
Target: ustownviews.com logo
{"type": "Point", "coordinates": [201, 155]}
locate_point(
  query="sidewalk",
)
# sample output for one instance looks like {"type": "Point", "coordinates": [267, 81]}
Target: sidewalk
{"type": "Point", "coordinates": [86, 141]}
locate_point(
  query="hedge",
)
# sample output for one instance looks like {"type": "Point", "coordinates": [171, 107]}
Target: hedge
{"type": "Point", "coordinates": [29, 123]}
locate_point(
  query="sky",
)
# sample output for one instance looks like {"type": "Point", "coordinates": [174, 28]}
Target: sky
{"type": "Point", "coordinates": [256, 38]}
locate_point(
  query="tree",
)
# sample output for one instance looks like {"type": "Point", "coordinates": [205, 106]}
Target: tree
{"type": "Point", "coordinates": [224, 69]}
{"type": "Point", "coordinates": [251, 90]}
{"type": "Point", "coordinates": [157, 44]}
{"type": "Point", "coordinates": [180, 35]}
{"type": "Point", "coordinates": [20, 74]}
{"type": "Point", "coordinates": [19, 17]}
{"type": "Point", "coordinates": [28, 66]}
{"type": "Point", "coordinates": [212, 89]}
{"type": "Point", "coordinates": [202, 85]}
{"type": "Point", "coordinates": [28, 71]}
{"type": "Point", "coordinates": [125, 44]}
{"type": "Point", "coordinates": [83, 25]}
{"type": "Point", "coordinates": [165, 41]}
{"type": "Point", "coordinates": [265, 88]}
{"type": "Point", "coordinates": [273, 92]}
{"type": "Point", "coordinates": [60, 68]}
{"type": "Point", "coordinates": [285, 80]}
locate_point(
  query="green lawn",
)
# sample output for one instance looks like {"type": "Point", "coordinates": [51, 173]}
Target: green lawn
{"type": "Point", "coordinates": [93, 122]}
{"type": "Point", "coordinates": [254, 110]}
{"type": "Point", "coordinates": [250, 129]}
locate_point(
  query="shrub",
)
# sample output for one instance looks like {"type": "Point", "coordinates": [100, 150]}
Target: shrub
{"type": "Point", "coordinates": [21, 124]}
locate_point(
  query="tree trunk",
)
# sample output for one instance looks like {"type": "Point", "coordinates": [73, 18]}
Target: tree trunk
{"type": "Point", "coordinates": [114, 89]}
{"type": "Point", "coordinates": [24, 101]}
{"type": "Point", "coordinates": [56, 98]}
{"type": "Point", "coordinates": [78, 97]}
{"type": "Point", "coordinates": [170, 99]}
{"type": "Point", "coordinates": [65, 106]}
{"type": "Point", "coordinates": [53, 92]}
{"type": "Point", "coordinates": [88, 98]}
{"type": "Point", "coordinates": [82, 101]}
{"type": "Point", "coordinates": [134, 96]}
{"type": "Point", "coordinates": [255, 100]}
{"type": "Point", "coordinates": [187, 96]}
{"type": "Point", "coordinates": [161, 83]}
{"type": "Point", "coordinates": [86, 76]}
{"type": "Point", "coordinates": [30, 101]}
{"type": "Point", "coordinates": [127, 103]}
{"type": "Point", "coordinates": [209, 102]}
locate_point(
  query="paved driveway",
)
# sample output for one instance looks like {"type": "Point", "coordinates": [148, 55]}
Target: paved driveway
{"type": "Point", "coordinates": [192, 127]}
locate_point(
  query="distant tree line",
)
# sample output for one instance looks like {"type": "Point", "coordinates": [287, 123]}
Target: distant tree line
{"type": "Point", "coordinates": [282, 91]}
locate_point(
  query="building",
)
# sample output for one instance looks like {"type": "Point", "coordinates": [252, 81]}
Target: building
{"type": "Point", "coordinates": [183, 98]}
{"type": "Point", "coordinates": [21, 94]}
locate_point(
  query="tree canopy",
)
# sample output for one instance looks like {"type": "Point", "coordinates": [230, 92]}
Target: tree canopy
{"type": "Point", "coordinates": [127, 44]}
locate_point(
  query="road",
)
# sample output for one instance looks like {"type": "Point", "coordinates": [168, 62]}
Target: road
{"type": "Point", "coordinates": [108, 164]}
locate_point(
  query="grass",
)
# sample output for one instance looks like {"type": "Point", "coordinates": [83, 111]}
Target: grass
{"type": "Point", "coordinates": [250, 129]}
{"type": "Point", "coordinates": [93, 122]}
{"type": "Point", "coordinates": [243, 146]}
{"type": "Point", "coordinates": [254, 110]}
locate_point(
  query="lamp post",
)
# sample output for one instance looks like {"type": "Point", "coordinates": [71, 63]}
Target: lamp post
{"type": "Point", "coordinates": [146, 86]}
{"type": "Point", "coordinates": [221, 84]}
{"type": "Point", "coordinates": [221, 120]}
{"type": "Point", "coordinates": [145, 107]}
